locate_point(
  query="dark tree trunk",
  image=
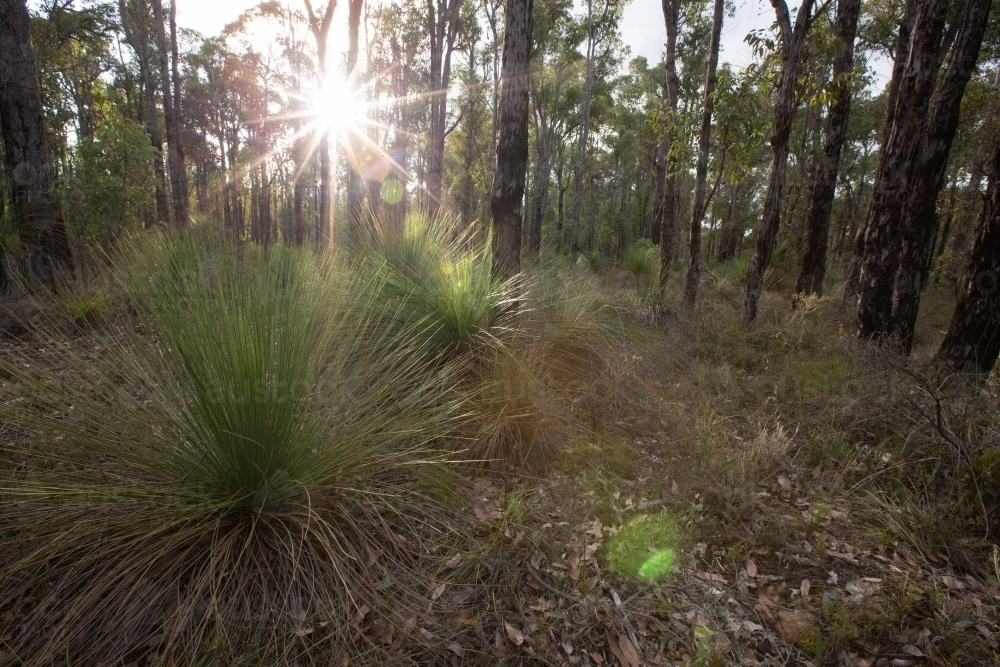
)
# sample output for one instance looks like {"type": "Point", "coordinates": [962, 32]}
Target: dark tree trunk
{"type": "Point", "coordinates": [139, 41]}
{"type": "Point", "coordinates": [355, 158]}
{"type": "Point", "coordinates": [701, 173]}
{"type": "Point", "coordinates": [512, 140]}
{"type": "Point", "coordinates": [34, 200]}
{"type": "Point", "coordinates": [857, 240]}
{"type": "Point", "coordinates": [973, 339]}
{"type": "Point", "coordinates": [921, 221]}
{"type": "Point", "coordinates": [584, 137]}
{"type": "Point", "coordinates": [671, 184]}
{"type": "Point", "coordinates": [894, 178]}
{"type": "Point", "coordinates": [813, 268]}
{"type": "Point", "coordinates": [784, 113]}
{"type": "Point", "coordinates": [320, 28]}
{"type": "Point", "coordinates": [443, 24]}
{"type": "Point", "coordinates": [175, 152]}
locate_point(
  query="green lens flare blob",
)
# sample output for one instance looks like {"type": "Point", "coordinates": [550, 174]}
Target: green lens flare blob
{"type": "Point", "coordinates": [645, 548]}
{"type": "Point", "coordinates": [391, 191]}
{"type": "Point", "coordinates": [658, 565]}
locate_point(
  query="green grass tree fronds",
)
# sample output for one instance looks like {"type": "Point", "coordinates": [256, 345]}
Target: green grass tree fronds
{"type": "Point", "coordinates": [228, 477]}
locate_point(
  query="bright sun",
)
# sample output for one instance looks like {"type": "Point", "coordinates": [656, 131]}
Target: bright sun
{"type": "Point", "coordinates": [335, 106]}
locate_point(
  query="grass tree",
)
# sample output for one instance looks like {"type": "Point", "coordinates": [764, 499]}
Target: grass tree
{"type": "Point", "coordinates": [228, 473]}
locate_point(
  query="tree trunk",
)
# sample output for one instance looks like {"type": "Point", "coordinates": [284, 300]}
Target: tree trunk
{"type": "Point", "coordinates": [34, 201]}
{"type": "Point", "coordinates": [320, 28]}
{"type": "Point", "coordinates": [543, 167]}
{"type": "Point", "coordinates": [181, 197]}
{"type": "Point", "coordinates": [973, 339]}
{"type": "Point", "coordinates": [584, 137]}
{"type": "Point", "coordinates": [175, 152]}
{"type": "Point", "coordinates": [443, 24]}
{"type": "Point", "coordinates": [701, 173]}
{"type": "Point", "coordinates": [921, 221]}
{"type": "Point", "coordinates": [355, 157]}
{"type": "Point", "coordinates": [903, 33]}
{"type": "Point", "coordinates": [659, 183]}
{"type": "Point", "coordinates": [512, 140]}
{"type": "Point", "coordinates": [139, 41]}
{"type": "Point", "coordinates": [894, 178]}
{"type": "Point", "coordinates": [671, 185]}
{"type": "Point", "coordinates": [813, 267]}
{"type": "Point", "coordinates": [784, 113]}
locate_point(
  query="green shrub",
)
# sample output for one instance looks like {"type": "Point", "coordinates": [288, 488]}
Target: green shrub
{"type": "Point", "coordinates": [228, 476]}
{"type": "Point", "coordinates": [639, 259]}
{"type": "Point", "coordinates": [595, 260]}
{"type": "Point", "coordinates": [435, 278]}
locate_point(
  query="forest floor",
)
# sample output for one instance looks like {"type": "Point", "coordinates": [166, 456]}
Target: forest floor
{"type": "Point", "coordinates": [812, 493]}
{"type": "Point", "coordinates": [804, 483]}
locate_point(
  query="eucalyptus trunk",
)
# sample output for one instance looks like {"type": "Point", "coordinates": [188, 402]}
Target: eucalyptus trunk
{"type": "Point", "coordinates": [792, 40]}
{"type": "Point", "coordinates": [139, 41]}
{"type": "Point", "coordinates": [973, 339]}
{"type": "Point", "coordinates": [671, 184]}
{"type": "Point", "coordinates": [443, 26]}
{"type": "Point", "coordinates": [701, 173]}
{"type": "Point", "coordinates": [171, 114]}
{"type": "Point", "coordinates": [921, 222]}
{"type": "Point", "coordinates": [512, 140]}
{"type": "Point", "coordinates": [894, 179]}
{"type": "Point", "coordinates": [584, 136]}
{"type": "Point", "coordinates": [34, 201]}
{"type": "Point", "coordinates": [812, 270]}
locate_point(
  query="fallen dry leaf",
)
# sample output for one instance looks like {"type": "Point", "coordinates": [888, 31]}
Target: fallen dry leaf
{"type": "Point", "coordinates": [514, 634]}
{"type": "Point", "coordinates": [438, 592]}
{"type": "Point", "coordinates": [596, 657]}
{"type": "Point", "coordinates": [629, 652]}
{"type": "Point", "coordinates": [804, 588]}
{"type": "Point", "coordinates": [457, 649]}
{"type": "Point", "coordinates": [708, 576]}
{"type": "Point", "coordinates": [751, 568]}
{"type": "Point", "coordinates": [615, 650]}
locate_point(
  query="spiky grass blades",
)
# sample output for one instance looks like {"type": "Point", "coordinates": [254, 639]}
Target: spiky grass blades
{"type": "Point", "coordinates": [442, 279]}
{"type": "Point", "coordinates": [233, 468]}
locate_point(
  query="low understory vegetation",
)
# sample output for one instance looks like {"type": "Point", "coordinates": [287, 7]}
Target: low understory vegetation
{"type": "Point", "coordinates": [218, 453]}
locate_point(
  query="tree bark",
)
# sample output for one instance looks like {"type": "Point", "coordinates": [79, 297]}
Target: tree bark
{"type": "Point", "coordinates": [894, 177]}
{"type": "Point", "coordinates": [813, 267]}
{"type": "Point", "coordinates": [181, 194]}
{"type": "Point", "coordinates": [584, 136]}
{"type": "Point", "coordinates": [443, 25]}
{"type": "Point", "coordinates": [34, 199]}
{"type": "Point", "coordinates": [175, 151]}
{"type": "Point", "coordinates": [701, 173]}
{"type": "Point", "coordinates": [355, 157]}
{"type": "Point", "coordinates": [973, 339]}
{"type": "Point", "coordinates": [139, 41]}
{"type": "Point", "coordinates": [784, 113]}
{"type": "Point", "coordinates": [512, 140]}
{"type": "Point", "coordinates": [903, 33]}
{"type": "Point", "coordinates": [543, 167]}
{"type": "Point", "coordinates": [320, 28]}
{"type": "Point", "coordinates": [671, 184]}
{"type": "Point", "coordinates": [921, 220]}
{"type": "Point", "coordinates": [659, 183]}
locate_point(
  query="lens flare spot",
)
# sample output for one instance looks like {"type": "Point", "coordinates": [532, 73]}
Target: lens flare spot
{"type": "Point", "coordinates": [645, 548]}
{"type": "Point", "coordinates": [391, 191]}
{"type": "Point", "coordinates": [658, 565]}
